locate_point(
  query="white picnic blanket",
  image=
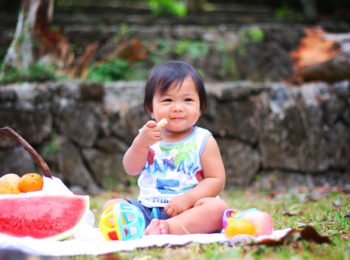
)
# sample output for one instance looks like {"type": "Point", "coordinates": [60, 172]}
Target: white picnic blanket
{"type": "Point", "coordinates": [90, 241]}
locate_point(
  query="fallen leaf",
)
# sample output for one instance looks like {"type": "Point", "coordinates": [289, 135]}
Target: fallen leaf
{"type": "Point", "coordinates": [289, 213]}
{"type": "Point", "coordinates": [307, 233]}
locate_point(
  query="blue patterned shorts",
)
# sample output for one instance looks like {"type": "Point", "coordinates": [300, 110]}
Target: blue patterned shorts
{"type": "Point", "coordinates": [149, 213]}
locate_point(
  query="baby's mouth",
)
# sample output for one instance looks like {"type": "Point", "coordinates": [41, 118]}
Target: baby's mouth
{"type": "Point", "coordinates": [177, 119]}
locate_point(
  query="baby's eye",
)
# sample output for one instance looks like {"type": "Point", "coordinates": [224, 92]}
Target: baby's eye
{"type": "Point", "coordinates": [167, 100]}
{"type": "Point", "coordinates": [188, 99]}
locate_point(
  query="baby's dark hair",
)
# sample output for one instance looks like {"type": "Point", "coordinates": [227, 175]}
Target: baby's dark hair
{"type": "Point", "coordinates": [172, 73]}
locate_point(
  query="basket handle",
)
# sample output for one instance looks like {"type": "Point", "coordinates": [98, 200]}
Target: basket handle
{"type": "Point", "coordinates": [9, 132]}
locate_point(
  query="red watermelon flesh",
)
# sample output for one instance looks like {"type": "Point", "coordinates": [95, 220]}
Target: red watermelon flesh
{"type": "Point", "coordinates": [44, 216]}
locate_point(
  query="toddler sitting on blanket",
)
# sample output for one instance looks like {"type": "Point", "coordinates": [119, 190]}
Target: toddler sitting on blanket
{"type": "Point", "coordinates": [179, 164]}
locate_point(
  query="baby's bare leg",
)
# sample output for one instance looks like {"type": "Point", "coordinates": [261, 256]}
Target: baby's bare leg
{"type": "Point", "coordinates": [204, 217]}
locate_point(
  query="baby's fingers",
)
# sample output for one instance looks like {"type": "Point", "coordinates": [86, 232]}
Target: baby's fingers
{"type": "Point", "coordinates": [151, 123]}
{"type": "Point", "coordinates": [169, 210]}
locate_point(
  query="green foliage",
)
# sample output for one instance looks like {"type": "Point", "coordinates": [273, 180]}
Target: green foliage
{"type": "Point", "coordinates": [192, 49]}
{"type": "Point", "coordinates": [168, 7]}
{"type": "Point", "coordinates": [2, 53]}
{"type": "Point", "coordinates": [10, 75]}
{"type": "Point", "coordinates": [229, 68]}
{"type": "Point", "coordinates": [52, 147]}
{"type": "Point", "coordinates": [35, 73]}
{"type": "Point", "coordinates": [284, 13]}
{"type": "Point", "coordinates": [255, 34]}
{"type": "Point", "coordinates": [118, 68]}
{"type": "Point", "coordinates": [111, 70]}
{"type": "Point", "coordinates": [250, 35]}
{"type": "Point", "coordinates": [163, 48]}
{"type": "Point", "coordinates": [41, 72]}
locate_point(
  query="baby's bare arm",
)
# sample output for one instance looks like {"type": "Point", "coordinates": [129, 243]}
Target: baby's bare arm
{"type": "Point", "coordinates": [211, 186]}
{"type": "Point", "coordinates": [136, 156]}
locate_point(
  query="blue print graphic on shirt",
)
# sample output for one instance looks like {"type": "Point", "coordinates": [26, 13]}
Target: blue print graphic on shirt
{"type": "Point", "coordinates": [188, 168]}
{"type": "Point", "coordinates": [168, 164]}
{"type": "Point", "coordinates": [166, 186]}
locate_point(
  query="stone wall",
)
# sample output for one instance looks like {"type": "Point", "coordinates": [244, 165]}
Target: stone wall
{"type": "Point", "coordinates": [270, 132]}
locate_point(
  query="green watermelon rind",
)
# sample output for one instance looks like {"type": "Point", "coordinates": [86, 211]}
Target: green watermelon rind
{"type": "Point", "coordinates": [59, 236]}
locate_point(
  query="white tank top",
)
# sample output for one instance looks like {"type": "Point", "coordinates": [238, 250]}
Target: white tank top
{"type": "Point", "coordinates": [172, 169]}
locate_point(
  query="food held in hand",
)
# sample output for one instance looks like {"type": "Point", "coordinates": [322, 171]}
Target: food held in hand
{"type": "Point", "coordinates": [43, 216]}
{"type": "Point", "coordinates": [30, 182]}
{"type": "Point", "coordinates": [9, 184]}
{"type": "Point", "coordinates": [122, 221]}
{"type": "Point", "coordinates": [239, 227]}
{"type": "Point", "coordinates": [162, 122]}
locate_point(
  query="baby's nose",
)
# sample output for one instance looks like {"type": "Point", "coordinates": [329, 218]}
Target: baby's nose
{"type": "Point", "coordinates": [177, 107]}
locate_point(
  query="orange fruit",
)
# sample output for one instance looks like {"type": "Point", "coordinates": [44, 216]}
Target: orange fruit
{"type": "Point", "coordinates": [30, 182]}
{"type": "Point", "coordinates": [9, 184]}
{"type": "Point", "coordinates": [239, 227]}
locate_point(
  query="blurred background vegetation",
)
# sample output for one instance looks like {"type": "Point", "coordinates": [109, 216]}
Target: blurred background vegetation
{"type": "Point", "coordinates": [113, 51]}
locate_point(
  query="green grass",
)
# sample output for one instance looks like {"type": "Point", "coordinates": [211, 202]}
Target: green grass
{"type": "Point", "coordinates": [324, 210]}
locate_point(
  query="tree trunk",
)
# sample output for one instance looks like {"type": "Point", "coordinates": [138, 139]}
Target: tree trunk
{"type": "Point", "coordinates": [333, 70]}
{"type": "Point", "coordinates": [322, 56]}
{"type": "Point", "coordinates": [33, 19]}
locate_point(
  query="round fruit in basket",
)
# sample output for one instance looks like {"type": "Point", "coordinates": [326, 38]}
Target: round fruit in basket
{"type": "Point", "coordinates": [30, 182]}
{"type": "Point", "coordinates": [9, 183]}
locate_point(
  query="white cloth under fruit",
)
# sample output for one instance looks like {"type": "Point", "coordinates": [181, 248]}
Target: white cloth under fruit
{"type": "Point", "coordinates": [89, 241]}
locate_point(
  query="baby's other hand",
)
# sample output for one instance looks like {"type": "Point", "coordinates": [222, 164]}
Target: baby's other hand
{"type": "Point", "coordinates": [177, 205]}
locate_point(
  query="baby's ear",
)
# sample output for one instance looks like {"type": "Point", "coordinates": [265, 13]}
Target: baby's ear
{"type": "Point", "coordinates": [149, 111]}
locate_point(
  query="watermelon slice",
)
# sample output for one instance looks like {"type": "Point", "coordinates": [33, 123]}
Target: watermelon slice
{"type": "Point", "coordinates": [43, 216]}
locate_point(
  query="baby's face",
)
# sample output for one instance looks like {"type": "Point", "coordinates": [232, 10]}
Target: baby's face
{"type": "Point", "coordinates": [179, 105]}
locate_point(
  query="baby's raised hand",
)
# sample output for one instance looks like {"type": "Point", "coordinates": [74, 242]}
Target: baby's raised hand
{"type": "Point", "coordinates": [149, 134]}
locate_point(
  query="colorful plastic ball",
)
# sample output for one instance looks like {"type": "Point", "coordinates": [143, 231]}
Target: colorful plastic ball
{"type": "Point", "coordinates": [122, 221]}
{"type": "Point", "coordinates": [228, 214]}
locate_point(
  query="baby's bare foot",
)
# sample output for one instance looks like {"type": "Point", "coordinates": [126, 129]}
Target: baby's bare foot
{"type": "Point", "coordinates": [157, 227]}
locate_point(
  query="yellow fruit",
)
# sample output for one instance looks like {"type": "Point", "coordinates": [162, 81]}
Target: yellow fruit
{"type": "Point", "coordinates": [6, 188]}
{"type": "Point", "coordinates": [11, 178]}
{"type": "Point", "coordinates": [9, 183]}
{"type": "Point", "coordinates": [30, 182]}
{"type": "Point", "coordinates": [239, 227]}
